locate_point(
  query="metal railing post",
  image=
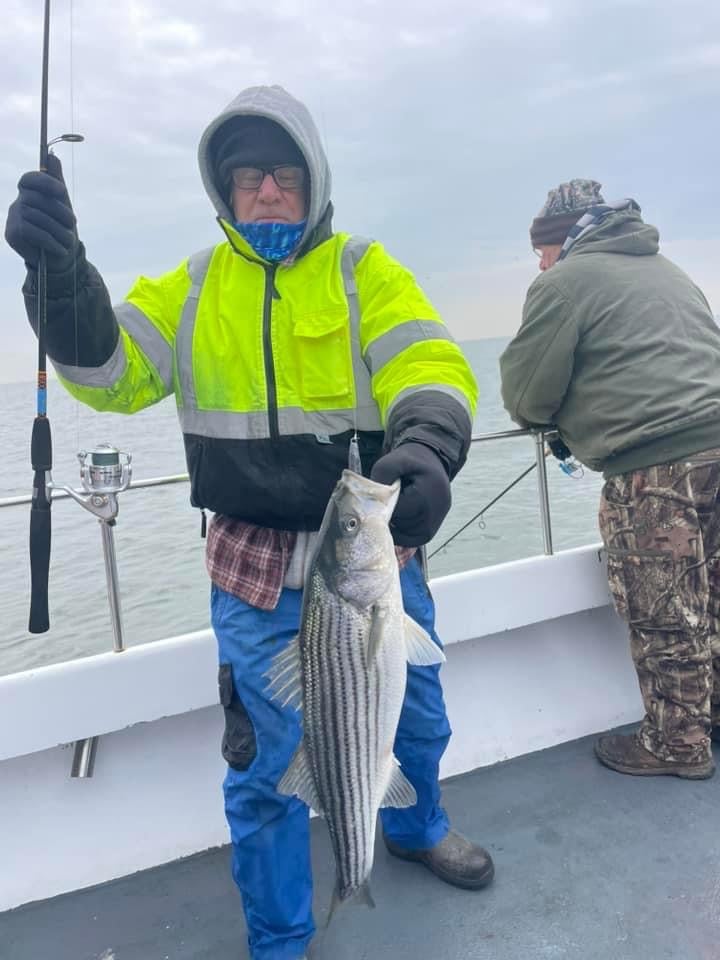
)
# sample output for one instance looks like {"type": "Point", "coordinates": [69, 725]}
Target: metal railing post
{"type": "Point", "coordinates": [543, 492]}
{"type": "Point", "coordinates": [111, 577]}
{"type": "Point", "coordinates": [83, 761]}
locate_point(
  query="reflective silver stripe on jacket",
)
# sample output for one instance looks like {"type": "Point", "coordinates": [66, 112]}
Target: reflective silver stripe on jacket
{"type": "Point", "coordinates": [103, 377]}
{"type": "Point", "coordinates": [198, 266]}
{"type": "Point", "coordinates": [291, 420]}
{"type": "Point", "coordinates": [390, 344]}
{"type": "Point", "coordinates": [147, 336]}
{"type": "Point", "coordinates": [353, 251]}
{"type": "Point", "coordinates": [255, 426]}
{"type": "Point", "coordinates": [435, 388]}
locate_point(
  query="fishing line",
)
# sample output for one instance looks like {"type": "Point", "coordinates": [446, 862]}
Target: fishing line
{"type": "Point", "coordinates": [354, 459]}
{"type": "Point", "coordinates": [571, 468]}
{"type": "Point", "coordinates": [76, 326]}
{"type": "Point", "coordinates": [484, 509]}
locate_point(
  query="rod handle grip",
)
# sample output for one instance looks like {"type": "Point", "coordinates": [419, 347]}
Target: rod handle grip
{"type": "Point", "coordinates": [40, 534]}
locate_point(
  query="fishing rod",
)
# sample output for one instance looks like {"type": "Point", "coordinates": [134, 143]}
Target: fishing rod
{"type": "Point", "coordinates": [41, 440]}
{"type": "Point", "coordinates": [104, 471]}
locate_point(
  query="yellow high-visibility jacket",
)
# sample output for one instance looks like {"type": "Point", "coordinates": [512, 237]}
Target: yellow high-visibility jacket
{"type": "Point", "coordinates": [274, 367]}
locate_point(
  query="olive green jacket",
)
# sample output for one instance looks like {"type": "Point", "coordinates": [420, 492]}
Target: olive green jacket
{"type": "Point", "coordinates": [620, 350]}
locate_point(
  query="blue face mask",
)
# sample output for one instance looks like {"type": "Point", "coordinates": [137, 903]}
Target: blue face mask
{"type": "Point", "coordinates": [272, 241]}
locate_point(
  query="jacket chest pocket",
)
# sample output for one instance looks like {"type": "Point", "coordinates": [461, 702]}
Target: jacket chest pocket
{"type": "Point", "coordinates": [324, 355]}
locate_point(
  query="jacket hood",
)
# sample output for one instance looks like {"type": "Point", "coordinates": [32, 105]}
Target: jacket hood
{"type": "Point", "coordinates": [278, 105]}
{"type": "Point", "coordinates": [621, 232]}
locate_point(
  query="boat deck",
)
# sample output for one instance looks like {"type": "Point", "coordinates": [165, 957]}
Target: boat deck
{"type": "Point", "coordinates": [590, 865]}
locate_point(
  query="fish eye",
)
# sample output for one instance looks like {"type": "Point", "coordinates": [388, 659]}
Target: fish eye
{"type": "Point", "coordinates": [349, 524]}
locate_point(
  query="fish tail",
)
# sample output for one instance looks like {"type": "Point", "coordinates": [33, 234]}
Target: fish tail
{"type": "Point", "coordinates": [362, 895]}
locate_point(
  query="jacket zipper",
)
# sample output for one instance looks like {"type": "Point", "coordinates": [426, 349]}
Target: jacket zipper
{"type": "Point", "coordinates": [270, 294]}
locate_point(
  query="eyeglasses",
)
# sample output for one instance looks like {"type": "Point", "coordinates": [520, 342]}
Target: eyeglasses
{"type": "Point", "coordinates": [538, 253]}
{"type": "Point", "coordinates": [286, 176]}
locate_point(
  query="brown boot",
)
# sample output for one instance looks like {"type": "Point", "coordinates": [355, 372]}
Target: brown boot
{"type": "Point", "coordinates": [626, 754]}
{"type": "Point", "coordinates": [454, 859]}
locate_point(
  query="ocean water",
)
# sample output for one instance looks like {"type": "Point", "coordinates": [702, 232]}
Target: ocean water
{"type": "Point", "coordinates": [163, 583]}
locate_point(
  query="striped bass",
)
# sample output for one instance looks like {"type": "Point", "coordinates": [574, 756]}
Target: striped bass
{"type": "Point", "coordinates": [347, 671]}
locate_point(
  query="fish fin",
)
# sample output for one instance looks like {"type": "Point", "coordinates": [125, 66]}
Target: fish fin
{"type": "Point", "coordinates": [363, 894]}
{"type": "Point", "coordinates": [422, 651]}
{"type": "Point", "coordinates": [298, 781]}
{"type": "Point", "coordinates": [285, 681]}
{"type": "Point", "coordinates": [400, 792]}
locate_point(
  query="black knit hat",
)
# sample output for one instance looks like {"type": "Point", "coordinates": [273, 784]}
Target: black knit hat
{"type": "Point", "coordinates": [250, 141]}
{"type": "Point", "coordinates": [562, 210]}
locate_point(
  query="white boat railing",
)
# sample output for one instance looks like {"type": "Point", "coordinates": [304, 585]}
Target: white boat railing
{"type": "Point", "coordinates": [154, 710]}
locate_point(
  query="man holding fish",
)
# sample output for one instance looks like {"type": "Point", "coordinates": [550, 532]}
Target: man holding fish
{"type": "Point", "coordinates": [293, 352]}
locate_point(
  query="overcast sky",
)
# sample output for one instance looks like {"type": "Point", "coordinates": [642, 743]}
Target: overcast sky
{"type": "Point", "coordinates": [445, 123]}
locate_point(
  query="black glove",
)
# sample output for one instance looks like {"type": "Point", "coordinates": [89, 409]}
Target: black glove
{"type": "Point", "coordinates": [42, 218]}
{"type": "Point", "coordinates": [424, 495]}
{"type": "Point", "coordinates": [559, 448]}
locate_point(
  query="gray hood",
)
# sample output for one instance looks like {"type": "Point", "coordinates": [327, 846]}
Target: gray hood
{"type": "Point", "coordinates": [276, 104]}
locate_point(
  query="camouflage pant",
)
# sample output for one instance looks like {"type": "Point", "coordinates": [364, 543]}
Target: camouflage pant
{"type": "Point", "coordinates": [661, 528]}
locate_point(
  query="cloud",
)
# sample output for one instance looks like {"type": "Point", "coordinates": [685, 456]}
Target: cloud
{"type": "Point", "coordinates": [154, 35]}
{"type": "Point", "coordinates": [445, 125]}
{"type": "Point", "coordinates": [571, 85]}
{"type": "Point", "coordinates": [705, 56]}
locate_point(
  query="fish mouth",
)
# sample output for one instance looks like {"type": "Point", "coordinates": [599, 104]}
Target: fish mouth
{"type": "Point", "coordinates": [361, 486]}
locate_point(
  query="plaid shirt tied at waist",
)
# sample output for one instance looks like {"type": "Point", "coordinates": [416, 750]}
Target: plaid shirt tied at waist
{"type": "Point", "coordinates": [252, 562]}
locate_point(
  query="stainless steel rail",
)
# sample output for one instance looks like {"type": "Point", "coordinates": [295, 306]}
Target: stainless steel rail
{"type": "Point", "coordinates": [134, 485]}
{"type": "Point", "coordinates": [538, 436]}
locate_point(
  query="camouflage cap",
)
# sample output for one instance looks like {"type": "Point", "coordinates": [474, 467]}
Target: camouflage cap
{"type": "Point", "coordinates": [562, 209]}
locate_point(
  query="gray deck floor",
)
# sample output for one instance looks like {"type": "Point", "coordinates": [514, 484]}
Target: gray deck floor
{"type": "Point", "coordinates": [590, 864]}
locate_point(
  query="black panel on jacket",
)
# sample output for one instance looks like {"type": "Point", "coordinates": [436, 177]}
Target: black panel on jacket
{"type": "Point", "coordinates": [284, 483]}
